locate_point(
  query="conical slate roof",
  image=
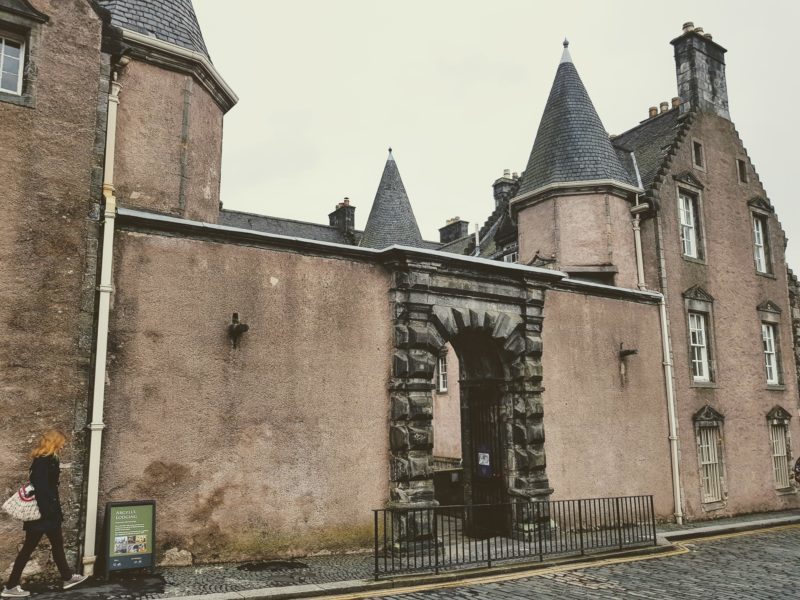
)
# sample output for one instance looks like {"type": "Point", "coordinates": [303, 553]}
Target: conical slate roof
{"type": "Point", "coordinates": [172, 21]}
{"type": "Point", "coordinates": [391, 220]}
{"type": "Point", "coordinates": [571, 144]}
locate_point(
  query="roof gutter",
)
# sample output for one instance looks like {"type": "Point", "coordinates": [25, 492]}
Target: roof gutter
{"type": "Point", "coordinates": [186, 54]}
{"type": "Point", "coordinates": [565, 185]}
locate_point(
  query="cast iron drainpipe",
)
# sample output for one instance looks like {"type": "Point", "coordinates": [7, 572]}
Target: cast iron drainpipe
{"type": "Point", "coordinates": [637, 210]}
{"type": "Point", "coordinates": [105, 289]}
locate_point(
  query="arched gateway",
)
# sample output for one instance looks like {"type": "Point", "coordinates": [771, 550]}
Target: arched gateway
{"type": "Point", "coordinates": [493, 319]}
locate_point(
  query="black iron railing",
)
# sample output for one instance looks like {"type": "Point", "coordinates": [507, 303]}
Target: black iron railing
{"type": "Point", "coordinates": [448, 537]}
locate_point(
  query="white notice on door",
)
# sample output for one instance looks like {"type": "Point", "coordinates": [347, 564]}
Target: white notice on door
{"type": "Point", "coordinates": [483, 458]}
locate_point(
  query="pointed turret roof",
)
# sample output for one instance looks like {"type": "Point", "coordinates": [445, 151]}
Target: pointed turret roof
{"type": "Point", "coordinates": [391, 220]}
{"type": "Point", "coordinates": [172, 21]}
{"type": "Point", "coordinates": [571, 144]}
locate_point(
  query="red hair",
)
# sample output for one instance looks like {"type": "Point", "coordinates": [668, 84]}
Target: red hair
{"type": "Point", "coordinates": [50, 442]}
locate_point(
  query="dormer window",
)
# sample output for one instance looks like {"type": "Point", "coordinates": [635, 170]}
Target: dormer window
{"type": "Point", "coordinates": [12, 63]}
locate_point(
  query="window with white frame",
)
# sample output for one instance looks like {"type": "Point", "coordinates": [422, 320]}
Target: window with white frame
{"type": "Point", "coordinates": [708, 432]}
{"type": "Point", "coordinates": [698, 347]}
{"type": "Point", "coordinates": [769, 338]}
{"type": "Point", "coordinates": [511, 258]}
{"type": "Point", "coordinates": [780, 445]}
{"type": "Point", "coordinates": [710, 450]}
{"type": "Point", "coordinates": [12, 63]}
{"type": "Point", "coordinates": [780, 455]}
{"type": "Point", "coordinates": [689, 224]}
{"type": "Point", "coordinates": [760, 244]}
{"type": "Point", "coordinates": [441, 374]}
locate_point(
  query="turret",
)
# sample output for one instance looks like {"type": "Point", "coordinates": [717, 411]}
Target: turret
{"type": "Point", "coordinates": [391, 219]}
{"type": "Point", "coordinates": [172, 102]}
{"type": "Point", "coordinates": [572, 207]}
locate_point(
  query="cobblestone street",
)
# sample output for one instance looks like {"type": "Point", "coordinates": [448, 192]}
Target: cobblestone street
{"type": "Point", "coordinates": [757, 565]}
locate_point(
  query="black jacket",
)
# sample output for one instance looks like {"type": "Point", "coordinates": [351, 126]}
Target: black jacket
{"type": "Point", "coordinates": [44, 477]}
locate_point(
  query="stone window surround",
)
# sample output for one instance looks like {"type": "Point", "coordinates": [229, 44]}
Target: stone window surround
{"type": "Point", "coordinates": [742, 174]}
{"type": "Point", "coordinates": [707, 417]}
{"type": "Point", "coordinates": [28, 29]}
{"type": "Point", "coordinates": [697, 300]}
{"type": "Point", "coordinates": [769, 313]}
{"type": "Point", "coordinates": [778, 416]}
{"type": "Point", "coordinates": [685, 188]}
{"type": "Point", "coordinates": [697, 144]}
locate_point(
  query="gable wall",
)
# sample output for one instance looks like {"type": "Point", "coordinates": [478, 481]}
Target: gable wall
{"type": "Point", "coordinates": [728, 274]}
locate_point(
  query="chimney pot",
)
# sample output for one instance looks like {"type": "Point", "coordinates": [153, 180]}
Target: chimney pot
{"type": "Point", "coordinates": [676, 102]}
{"type": "Point", "coordinates": [506, 173]}
{"type": "Point", "coordinates": [688, 26]}
{"type": "Point", "coordinates": [515, 175]}
{"type": "Point", "coordinates": [652, 111]}
{"type": "Point", "coordinates": [698, 30]}
{"type": "Point", "coordinates": [708, 36]}
{"type": "Point", "coordinates": [664, 107]}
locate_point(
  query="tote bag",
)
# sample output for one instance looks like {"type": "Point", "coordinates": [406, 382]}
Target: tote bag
{"type": "Point", "coordinates": [22, 504]}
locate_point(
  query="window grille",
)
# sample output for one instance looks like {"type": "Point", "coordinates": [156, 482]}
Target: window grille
{"type": "Point", "coordinates": [698, 344]}
{"type": "Point", "coordinates": [780, 460]}
{"type": "Point", "coordinates": [688, 220]}
{"type": "Point", "coordinates": [770, 353]}
{"type": "Point", "coordinates": [710, 463]}
{"type": "Point", "coordinates": [441, 382]}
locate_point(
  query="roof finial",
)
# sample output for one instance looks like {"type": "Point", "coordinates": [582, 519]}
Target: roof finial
{"type": "Point", "coordinates": [565, 57]}
{"type": "Point", "coordinates": [390, 154]}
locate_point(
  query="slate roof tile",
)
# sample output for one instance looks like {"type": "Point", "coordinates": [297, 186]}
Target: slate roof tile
{"type": "Point", "coordinates": [651, 142]}
{"type": "Point", "coordinates": [571, 143]}
{"type": "Point", "coordinates": [171, 21]}
{"type": "Point", "coordinates": [391, 219]}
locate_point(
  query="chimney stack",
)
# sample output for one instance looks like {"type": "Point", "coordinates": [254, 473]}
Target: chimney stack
{"type": "Point", "coordinates": [664, 107]}
{"type": "Point", "coordinates": [344, 217]}
{"type": "Point", "coordinates": [676, 102]}
{"type": "Point", "coordinates": [454, 229]}
{"type": "Point", "coordinates": [652, 111]}
{"type": "Point", "coordinates": [505, 188]}
{"type": "Point", "coordinates": [700, 68]}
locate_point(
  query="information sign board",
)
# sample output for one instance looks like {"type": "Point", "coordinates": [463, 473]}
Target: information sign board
{"type": "Point", "coordinates": [130, 535]}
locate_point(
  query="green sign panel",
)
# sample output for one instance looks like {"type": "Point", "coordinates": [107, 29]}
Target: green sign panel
{"type": "Point", "coordinates": [130, 535]}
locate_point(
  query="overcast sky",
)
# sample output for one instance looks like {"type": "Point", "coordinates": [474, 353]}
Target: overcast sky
{"type": "Point", "coordinates": [457, 89]}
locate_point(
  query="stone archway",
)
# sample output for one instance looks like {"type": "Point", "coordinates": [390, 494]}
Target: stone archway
{"type": "Point", "coordinates": [435, 303]}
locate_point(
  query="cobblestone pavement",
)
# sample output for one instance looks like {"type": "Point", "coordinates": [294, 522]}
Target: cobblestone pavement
{"type": "Point", "coordinates": [764, 565]}
{"type": "Point", "coordinates": [173, 582]}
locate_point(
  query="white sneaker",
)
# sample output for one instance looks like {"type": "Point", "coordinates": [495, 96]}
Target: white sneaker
{"type": "Point", "coordinates": [75, 580]}
{"type": "Point", "coordinates": [15, 592]}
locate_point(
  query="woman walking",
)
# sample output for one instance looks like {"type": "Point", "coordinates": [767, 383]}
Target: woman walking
{"type": "Point", "coordinates": [44, 478]}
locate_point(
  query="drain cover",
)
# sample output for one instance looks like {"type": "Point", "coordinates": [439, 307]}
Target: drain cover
{"type": "Point", "coordinates": [272, 565]}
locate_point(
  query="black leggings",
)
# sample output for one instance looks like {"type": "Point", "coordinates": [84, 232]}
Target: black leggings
{"type": "Point", "coordinates": [32, 539]}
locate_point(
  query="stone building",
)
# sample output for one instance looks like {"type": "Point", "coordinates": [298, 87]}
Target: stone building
{"type": "Point", "coordinates": [634, 285]}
